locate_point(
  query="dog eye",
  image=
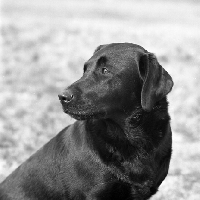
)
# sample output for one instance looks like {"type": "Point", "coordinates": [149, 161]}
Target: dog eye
{"type": "Point", "coordinates": [104, 70]}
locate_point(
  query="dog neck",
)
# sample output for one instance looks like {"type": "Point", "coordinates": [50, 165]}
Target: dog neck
{"type": "Point", "coordinates": [139, 124]}
{"type": "Point", "coordinates": [134, 119]}
{"type": "Point", "coordinates": [135, 132]}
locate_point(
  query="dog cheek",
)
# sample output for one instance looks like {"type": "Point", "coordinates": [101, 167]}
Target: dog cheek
{"type": "Point", "coordinates": [90, 98]}
{"type": "Point", "coordinates": [98, 92]}
{"type": "Point", "coordinates": [114, 94]}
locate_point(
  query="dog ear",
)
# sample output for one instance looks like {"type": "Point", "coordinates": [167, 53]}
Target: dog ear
{"type": "Point", "coordinates": [157, 83]}
{"type": "Point", "coordinates": [99, 48]}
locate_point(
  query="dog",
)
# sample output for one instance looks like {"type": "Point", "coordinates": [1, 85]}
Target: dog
{"type": "Point", "coordinates": [120, 146]}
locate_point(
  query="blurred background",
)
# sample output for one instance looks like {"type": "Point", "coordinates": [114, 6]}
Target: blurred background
{"type": "Point", "coordinates": [44, 45]}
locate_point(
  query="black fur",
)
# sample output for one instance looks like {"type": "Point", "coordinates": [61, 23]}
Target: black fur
{"type": "Point", "coordinates": [120, 147]}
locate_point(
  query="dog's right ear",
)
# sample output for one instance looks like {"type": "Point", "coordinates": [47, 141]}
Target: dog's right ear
{"type": "Point", "coordinates": [157, 83]}
{"type": "Point", "coordinates": [99, 48]}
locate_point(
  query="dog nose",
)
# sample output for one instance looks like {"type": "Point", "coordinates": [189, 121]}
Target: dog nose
{"type": "Point", "coordinates": [66, 97]}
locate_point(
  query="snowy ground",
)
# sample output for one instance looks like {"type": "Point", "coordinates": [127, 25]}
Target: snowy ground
{"type": "Point", "coordinates": [45, 44]}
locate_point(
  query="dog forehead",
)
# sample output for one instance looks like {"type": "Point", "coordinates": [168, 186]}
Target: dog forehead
{"type": "Point", "coordinates": [116, 50]}
{"type": "Point", "coordinates": [119, 54]}
{"type": "Point", "coordinates": [125, 47]}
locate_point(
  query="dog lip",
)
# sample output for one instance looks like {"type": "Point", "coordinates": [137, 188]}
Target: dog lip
{"type": "Point", "coordinates": [83, 115]}
{"type": "Point", "coordinates": [81, 112]}
{"type": "Point", "coordinates": [78, 115]}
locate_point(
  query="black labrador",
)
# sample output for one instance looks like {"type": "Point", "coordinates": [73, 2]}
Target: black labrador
{"type": "Point", "coordinates": [120, 147]}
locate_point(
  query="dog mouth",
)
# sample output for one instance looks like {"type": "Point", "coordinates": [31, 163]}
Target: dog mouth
{"type": "Point", "coordinates": [82, 112]}
{"type": "Point", "coordinates": [79, 115]}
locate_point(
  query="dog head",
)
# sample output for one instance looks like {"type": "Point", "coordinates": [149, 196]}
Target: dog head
{"type": "Point", "coordinates": [116, 79]}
